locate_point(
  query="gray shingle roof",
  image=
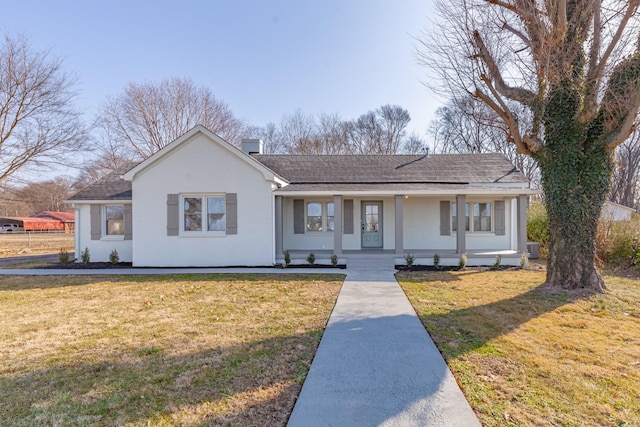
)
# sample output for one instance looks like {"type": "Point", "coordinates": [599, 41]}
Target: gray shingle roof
{"type": "Point", "coordinates": [110, 187]}
{"type": "Point", "coordinates": [411, 168]}
{"type": "Point", "coordinates": [355, 173]}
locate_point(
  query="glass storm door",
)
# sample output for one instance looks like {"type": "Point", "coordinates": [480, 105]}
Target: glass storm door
{"type": "Point", "coordinates": [372, 224]}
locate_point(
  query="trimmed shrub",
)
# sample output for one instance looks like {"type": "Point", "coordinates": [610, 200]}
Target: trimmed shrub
{"type": "Point", "coordinates": [63, 256]}
{"type": "Point", "coordinates": [409, 259]}
{"type": "Point", "coordinates": [85, 256]}
{"type": "Point", "coordinates": [462, 262]}
{"type": "Point", "coordinates": [287, 258]}
{"type": "Point", "coordinates": [497, 262]}
{"type": "Point", "coordinates": [334, 260]}
{"type": "Point", "coordinates": [114, 258]}
{"type": "Point", "coordinates": [311, 258]}
{"type": "Point", "coordinates": [436, 261]}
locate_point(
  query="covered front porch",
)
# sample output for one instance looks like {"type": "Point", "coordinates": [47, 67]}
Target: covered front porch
{"type": "Point", "coordinates": [355, 225]}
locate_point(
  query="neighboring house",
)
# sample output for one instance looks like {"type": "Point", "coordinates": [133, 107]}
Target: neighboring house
{"type": "Point", "coordinates": [202, 202]}
{"type": "Point", "coordinates": [615, 212]}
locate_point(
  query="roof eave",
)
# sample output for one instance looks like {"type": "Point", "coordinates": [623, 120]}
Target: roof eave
{"type": "Point", "coordinates": [499, 191]}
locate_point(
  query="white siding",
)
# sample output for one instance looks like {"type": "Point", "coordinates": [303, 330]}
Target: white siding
{"type": "Point", "coordinates": [99, 250]}
{"type": "Point", "coordinates": [202, 166]}
{"type": "Point", "coordinates": [324, 240]}
{"type": "Point", "coordinates": [422, 227]}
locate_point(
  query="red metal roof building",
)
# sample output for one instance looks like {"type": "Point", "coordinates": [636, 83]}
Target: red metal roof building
{"type": "Point", "coordinates": [45, 221]}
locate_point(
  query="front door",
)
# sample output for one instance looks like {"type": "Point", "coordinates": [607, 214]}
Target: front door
{"type": "Point", "coordinates": [372, 224]}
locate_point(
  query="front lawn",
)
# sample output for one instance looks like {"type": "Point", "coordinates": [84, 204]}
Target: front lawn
{"type": "Point", "coordinates": [158, 350]}
{"type": "Point", "coordinates": [525, 356]}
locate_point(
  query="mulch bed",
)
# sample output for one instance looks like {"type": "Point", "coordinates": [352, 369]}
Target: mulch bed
{"type": "Point", "coordinates": [89, 265]}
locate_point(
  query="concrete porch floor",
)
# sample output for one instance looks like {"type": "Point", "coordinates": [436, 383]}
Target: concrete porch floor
{"type": "Point", "coordinates": [475, 257]}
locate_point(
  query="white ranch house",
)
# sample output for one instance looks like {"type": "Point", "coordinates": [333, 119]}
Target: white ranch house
{"type": "Point", "coordinates": [201, 202]}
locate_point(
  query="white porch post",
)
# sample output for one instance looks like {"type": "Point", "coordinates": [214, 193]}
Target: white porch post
{"type": "Point", "coordinates": [337, 225]}
{"type": "Point", "coordinates": [461, 238]}
{"type": "Point", "coordinates": [522, 223]}
{"type": "Point", "coordinates": [399, 214]}
{"type": "Point", "coordinates": [278, 228]}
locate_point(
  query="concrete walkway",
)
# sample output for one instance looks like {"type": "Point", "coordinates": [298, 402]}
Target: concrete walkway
{"type": "Point", "coordinates": [376, 365]}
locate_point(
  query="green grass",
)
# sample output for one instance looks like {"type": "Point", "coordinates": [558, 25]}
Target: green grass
{"type": "Point", "coordinates": [527, 356]}
{"type": "Point", "coordinates": [170, 350]}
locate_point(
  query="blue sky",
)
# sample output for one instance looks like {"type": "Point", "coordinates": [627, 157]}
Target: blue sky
{"type": "Point", "coordinates": [265, 59]}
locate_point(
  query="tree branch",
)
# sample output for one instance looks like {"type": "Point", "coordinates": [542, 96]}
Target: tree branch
{"type": "Point", "coordinates": [562, 16]}
{"type": "Point", "coordinates": [507, 118]}
{"type": "Point", "coordinates": [519, 34]}
{"type": "Point", "coordinates": [596, 68]}
{"type": "Point", "coordinates": [628, 124]}
{"type": "Point", "coordinates": [505, 5]}
{"type": "Point", "coordinates": [514, 93]}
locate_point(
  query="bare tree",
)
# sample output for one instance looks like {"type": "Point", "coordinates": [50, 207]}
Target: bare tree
{"type": "Point", "coordinates": [270, 136]}
{"type": "Point", "coordinates": [333, 133]}
{"type": "Point", "coordinates": [575, 65]}
{"type": "Point", "coordinates": [37, 197]}
{"type": "Point", "coordinates": [467, 125]}
{"type": "Point", "coordinates": [39, 127]}
{"type": "Point", "coordinates": [301, 133]}
{"type": "Point", "coordinates": [146, 117]}
{"type": "Point", "coordinates": [298, 132]}
{"type": "Point", "coordinates": [625, 188]}
{"type": "Point", "coordinates": [47, 195]}
{"type": "Point", "coordinates": [415, 145]}
{"type": "Point", "coordinates": [379, 132]}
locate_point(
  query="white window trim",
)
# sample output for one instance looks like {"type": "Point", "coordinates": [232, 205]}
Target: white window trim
{"type": "Point", "coordinates": [204, 214]}
{"type": "Point", "coordinates": [325, 217]}
{"type": "Point", "coordinates": [491, 232]}
{"type": "Point", "coordinates": [103, 223]}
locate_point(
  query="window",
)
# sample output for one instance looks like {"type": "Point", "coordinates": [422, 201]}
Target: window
{"type": "Point", "coordinates": [320, 217]}
{"type": "Point", "coordinates": [314, 216]}
{"type": "Point", "coordinates": [454, 217]}
{"type": "Point", "coordinates": [330, 222]}
{"type": "Point", "coordinates": [203, 213]}
{"type": "Point", "coordinates": [481, 217]}
{"type": "Point", "coordinates": [114, 220]}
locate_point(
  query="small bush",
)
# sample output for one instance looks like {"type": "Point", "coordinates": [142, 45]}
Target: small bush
{"type": "Point", "coordinates": [63, 256]}
{"type": "Point", "coordinates": [462, 262]}
{"type": "Point", "coordinates": [334, 260]}
{"type": "Point", "coordinates": [436, 261]}
{"type": "Point", "coordinates": [497, 262]}
{"type": "Point", "coordinates": [409, 259]}
{"type": "Point", "coordinates": [114, 258]}
{"type": "Point", "coordinates": [311, 258]}
{"type": "Point", "coordinates": [538, 226]}
{"type": "Point", "coordinates": [85, 256]}
{"type": "Point", "coordinates": [287, 258]}
{"type": "Point", "coordinates": [524, 259]}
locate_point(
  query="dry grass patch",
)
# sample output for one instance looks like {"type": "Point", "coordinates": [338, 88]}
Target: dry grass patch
{"type": "Point", "coordinates": [526, 356]}
{"type": "Point", "coordinates": [170, 350]}
{"type": "Point", "coordinates": [34, 243]}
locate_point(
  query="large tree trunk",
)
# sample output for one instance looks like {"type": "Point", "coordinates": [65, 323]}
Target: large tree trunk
{"type": "Point", "coordinates": [576, 172]}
